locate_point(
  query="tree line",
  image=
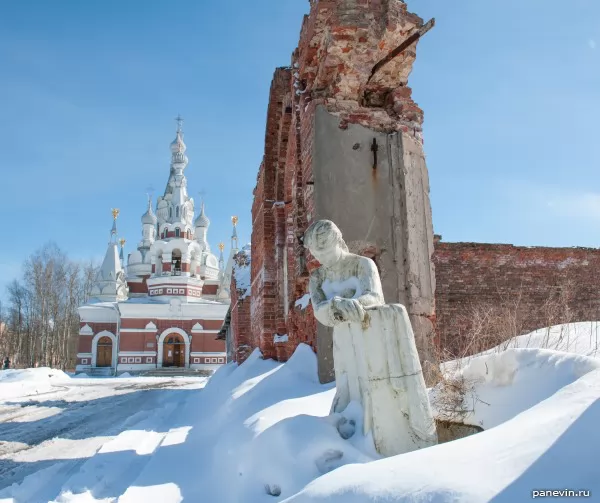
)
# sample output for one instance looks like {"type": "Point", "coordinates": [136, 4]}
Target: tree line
{"type": "Point", "coordinates": [39, 325]}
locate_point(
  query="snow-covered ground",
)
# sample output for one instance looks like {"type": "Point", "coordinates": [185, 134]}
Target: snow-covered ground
{"type": "Point", "coordinates": [261, 432]}
{"type": "Point", "coordinates": [61, 435]}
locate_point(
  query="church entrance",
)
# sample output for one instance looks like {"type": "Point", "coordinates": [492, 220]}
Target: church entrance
{"type": "Point", "coordinates": [173, 351]}
{"type": "Point", "coordinates": [104, 352]}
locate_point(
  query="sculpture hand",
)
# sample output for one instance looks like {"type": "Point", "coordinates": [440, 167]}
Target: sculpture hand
{"type": "Point", "coordinates": [347, 310]}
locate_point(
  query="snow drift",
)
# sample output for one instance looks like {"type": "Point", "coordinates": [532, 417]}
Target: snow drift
{"type": "Point", "coordinates": [261, 432]}
{"type": "Point", "coordinates": [539, 408]}
{"type": "Point", "coordinates": [35, 381]}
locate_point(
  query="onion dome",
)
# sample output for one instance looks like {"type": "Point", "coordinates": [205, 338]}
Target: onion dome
{"type": "Point", "coordinates": [202, 220]}
{"type": "Point", "coordinates": [149, 218]}
{"type": "Point", "coordinates": [178, 157]}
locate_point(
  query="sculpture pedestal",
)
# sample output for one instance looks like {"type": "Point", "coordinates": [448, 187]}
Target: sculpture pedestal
{"type": "Point", "coordinates": [377, 365]}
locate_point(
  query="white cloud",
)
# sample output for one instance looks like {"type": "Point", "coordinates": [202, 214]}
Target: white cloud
{"type": "Point", "coordinates": [592, 43]}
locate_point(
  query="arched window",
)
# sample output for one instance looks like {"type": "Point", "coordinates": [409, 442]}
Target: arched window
{"type": "Point", "coordinates": [177, 211]}
{"type": "Point", "coordinates": [177, 232]}
{"type": "Point", "coordinates": [170, 212]}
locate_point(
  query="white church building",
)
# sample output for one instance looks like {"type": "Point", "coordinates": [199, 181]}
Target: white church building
{"type": "Point", "coordinates": [165, 308]}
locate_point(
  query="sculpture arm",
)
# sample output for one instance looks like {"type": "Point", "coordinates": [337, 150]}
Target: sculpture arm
{"type": "Point", "coordinates": [370, 283]}
{"type": "Point", "coordinates": [321, 305]}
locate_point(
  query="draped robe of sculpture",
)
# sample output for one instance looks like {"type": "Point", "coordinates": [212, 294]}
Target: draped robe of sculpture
{"type": "Point", "coordinates": [375, 358]}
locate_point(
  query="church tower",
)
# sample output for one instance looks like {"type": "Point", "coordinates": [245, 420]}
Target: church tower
{"type": "Point", "coordinates": [139, 267]}
{"type": "Point", "coordinates": [169, 309]}
{"type": "Point", "coordinates": [110, 285]}
{"type": "Point", "coordinates": [180, 261]}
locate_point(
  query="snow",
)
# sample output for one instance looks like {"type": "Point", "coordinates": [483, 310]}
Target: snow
{"type": "Point", "coordinates": [303, 301]}
{"type": "Point", "coordinates": [261, 432]}
{"type": "Point", "coordinates": [581, 338]}
{"type": "Point", "coordinates": [332, 289]}
{"type": "Point", "coordinates": [502, 385]}
{"type": "Point", "coordinates": [29, 382]}
{"type": "Point", "coordinates": [241, 273]}
{"type": "Point", "coordinates": [553, 445]}
{"type": "Point", "coordinates": [83, 437]}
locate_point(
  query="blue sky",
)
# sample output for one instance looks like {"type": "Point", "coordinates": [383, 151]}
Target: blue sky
{"type": "Point", "coordinates": [510, 90]}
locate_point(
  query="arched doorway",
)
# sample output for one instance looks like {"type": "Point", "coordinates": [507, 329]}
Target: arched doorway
{"type": "Point", "coordinates": [173, 351]}
{"type": "Point", "coordinates": [104, 352]}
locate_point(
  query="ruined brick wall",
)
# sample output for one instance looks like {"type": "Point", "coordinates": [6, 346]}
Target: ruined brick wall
{"type": "Point", "coordinates": [267, 217]}
{"type": "Point", "coordinates": [541, 286]}
{"type": "Point", "coordinates": [241, 324]}
{"type": "Point", "coordinates": [340, 42]}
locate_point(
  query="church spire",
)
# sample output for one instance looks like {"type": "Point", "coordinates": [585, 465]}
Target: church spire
{"type": "Point", "coordinates": [221, 259]}
{"type": "Point", "coordinates": [202, 222]}
{"type": "Point", "coordinates": [113, 231]}
{"type": "Point", "coordinates": [110, 284]}
{"type": "Point", "coordinates": [178, 158]}
{"type": "Point", "coordinates": [234, 236]}
{"type": "Point", "coordinates": [149, 218]}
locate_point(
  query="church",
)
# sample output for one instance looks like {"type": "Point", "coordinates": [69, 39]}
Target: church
{"type": "Point", "coordinates": [165, 306]}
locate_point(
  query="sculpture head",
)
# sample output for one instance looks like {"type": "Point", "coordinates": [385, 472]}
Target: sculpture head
{"type": "Point", "coordinates": [324, 240]}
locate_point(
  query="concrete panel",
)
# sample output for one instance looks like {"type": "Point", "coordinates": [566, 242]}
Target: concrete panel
{"type": "Point", "coordinates": [385, 210]}
{"type": "Point", "coordinates": [417, 227]}
{"type": "Point", "coordinates": [325, 353]}
{"type": "Point", "coordinates": [358, 198]}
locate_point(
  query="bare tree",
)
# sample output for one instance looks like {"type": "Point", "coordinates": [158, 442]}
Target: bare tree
{"type": "Point", "coordinates": [40, 325]}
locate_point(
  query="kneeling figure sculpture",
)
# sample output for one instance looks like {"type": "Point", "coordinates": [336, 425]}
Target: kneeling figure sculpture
{"type": "Point", "coordinates": [375, 357]}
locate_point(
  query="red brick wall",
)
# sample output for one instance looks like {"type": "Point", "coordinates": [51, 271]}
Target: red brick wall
{"type": "Point", "coordinates": [339, 44]}
{"type": "Point", "coordinates": [136, 287]}
{"type": "Point", "coordinates": [541, 285]}
{"type": "Point", "coordinates": [131, 341]}
{"type": "Point", "coordinates": [241, 323]}
{"type": "Point", "coordinates": [84, 344]}
{"type": "Point", "coordinates": [207, 343]}
{"type": "Point", "coordinates": [264, 273]}
{"type": "Point", "coordinates": [210, 289]}
{"type": "Point", "coordinates": [241, 327]}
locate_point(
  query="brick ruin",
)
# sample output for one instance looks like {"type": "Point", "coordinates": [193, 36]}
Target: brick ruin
{"type": "Point", "coordinates": [345, 144]}
{"type": "Point", "coordinates": [526, 287]}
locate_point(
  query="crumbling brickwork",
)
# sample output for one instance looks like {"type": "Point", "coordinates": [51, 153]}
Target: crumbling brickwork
{"type": "Point", "coordinates": [326, 113]}
{"type": "Point", "coordinates": [241, 323]}
{"type": "Point", "coordinates": [540, 286]}
{"type": "Point", "coordinates": [340, 42]}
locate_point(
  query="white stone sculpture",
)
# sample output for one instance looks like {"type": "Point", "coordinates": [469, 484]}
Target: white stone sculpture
{"type": "Point", "coordinates": [375, 358]}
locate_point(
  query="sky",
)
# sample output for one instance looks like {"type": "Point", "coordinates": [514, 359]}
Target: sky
{"type": "Point", "coordinates": [89, 92]}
